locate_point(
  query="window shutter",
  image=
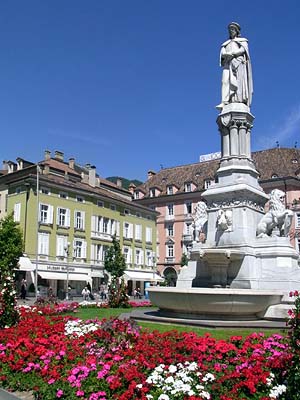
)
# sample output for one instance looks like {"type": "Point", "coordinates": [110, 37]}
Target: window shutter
{"type": "Point", "coordinates": [57, 215]}
{"type": "Point", "coordinates": [118, 228]}
{"type": "Point", "coordinates": [131, 231]}
{"type": "Point", "coordinates": [68, 217]}
{"type": "Point", "coordinates": [93, 258]}
{"type": "Point", "coordinates": [50, 214]}
{"type": "Point", "coordinates": [93, 223]}
{"type": "Point", "coordinates": [17, 212]}
{"type": "Point", "coordinates": [83, 219]}
{"type": "Point", "coordinates": [142, 257]}
{"type": "Point", "coordinates": [83, 249]}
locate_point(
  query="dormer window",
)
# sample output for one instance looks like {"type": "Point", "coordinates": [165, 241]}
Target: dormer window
{"type": "Point", "coordinates": [136, 195]}
{"type": "Point", "coordinates": [207, 183]}
{"type": "Point", "coordinates": [152, 192]}
{"type": "Point", "coordinates": [274, 176]}
{"type": "Point", "coordinates": [294, 161]}
{"type": "Point", "coordinates": [170, 189]}
{"type": "Point", "coordinates": [188, 187]}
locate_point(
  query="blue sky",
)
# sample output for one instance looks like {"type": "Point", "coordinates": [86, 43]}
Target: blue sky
{"type": "Point", "coordinates": [132, 85]}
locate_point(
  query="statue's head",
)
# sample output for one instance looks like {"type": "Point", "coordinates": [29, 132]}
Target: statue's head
{"type": "Point", "coordinates": [234, 30]}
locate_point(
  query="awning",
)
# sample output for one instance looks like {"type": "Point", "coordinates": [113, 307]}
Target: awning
{"type": "Point", "coordinates": [25, 264]}
{"type": "Point", "coordinates": [143, 276]}
{"type": "Point", "coordinates": [62, 276]}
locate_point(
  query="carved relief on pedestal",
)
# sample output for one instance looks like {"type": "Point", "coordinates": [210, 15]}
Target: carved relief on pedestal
{"type": "Point", "coordinates": [200, 222]}
{"type": "Point", "coordinates": [212, 205]}
{"type": "Point", "coordinates": [224, 220]}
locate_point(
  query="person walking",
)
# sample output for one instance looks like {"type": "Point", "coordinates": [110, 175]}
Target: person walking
{"type": "Point", "coordinates": [23, 289]}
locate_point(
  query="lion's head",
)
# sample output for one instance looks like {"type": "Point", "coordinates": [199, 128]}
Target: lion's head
{"type": "Point", "coordinates": [277, 197]}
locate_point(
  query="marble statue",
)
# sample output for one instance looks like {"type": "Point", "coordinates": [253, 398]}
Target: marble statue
{"type": "Point", "coordinates": [277, 216]}
{"type": "Point", "coordinates": [224, 220]}
{"type": "Point", "coordinates": [237, 85]}
{"type": "Point", "coordinates": [200, 220]}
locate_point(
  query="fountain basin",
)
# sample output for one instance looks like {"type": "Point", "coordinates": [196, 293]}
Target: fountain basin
{"type": "Point", "coordinates": [216, 303]}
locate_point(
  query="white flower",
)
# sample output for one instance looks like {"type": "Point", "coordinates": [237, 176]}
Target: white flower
{"type": "Point", "coordinates": [163, 397]}
{"type": "Point", "coordinates": [208, 377]}
{"type": "Point", "coordinates": [172, 369]}
{"type": "Point", "coordinates": [139, 386]}
{"type": "Point", "coordinates": [277, 391]}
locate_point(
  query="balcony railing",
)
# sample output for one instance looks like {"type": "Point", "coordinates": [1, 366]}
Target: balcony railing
{"type": "Point", "coordinates": [187, 237]}
{"type": "Point", "coordinates": [169, 260]}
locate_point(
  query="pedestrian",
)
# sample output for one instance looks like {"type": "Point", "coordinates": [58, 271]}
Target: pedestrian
{"type": "Point", "coordinates": [85, 293]}
{"type": "Point", "coordinates": [23, 289]}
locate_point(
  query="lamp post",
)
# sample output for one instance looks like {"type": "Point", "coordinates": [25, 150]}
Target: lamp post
{"type": "Point", "coordinates": [37, 227]}
{"type": "Point", "coordinates": [66, 248]}
{"type": "Point", "coordinates": [153, 263]}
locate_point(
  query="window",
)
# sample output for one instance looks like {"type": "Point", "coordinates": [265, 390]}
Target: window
{"type": "Point", "coordinates": [63, 217]}
{"type": "Point", "coordinates": [188, 207]}
{"type": "Point", "coordinates": [148, 234]}
{"type": "Point", "coordinates": [79, 248]}
{"type": "Point", "coordinates": [100, 203]}
{"type": "Point", "coordinates": [137, 195]}
{"type": "Point", "coordinates": [149, 258]}
{"type": "Point", "coordinates": [63, 195]}
{"type": "Point", "coordinates": [46, 214]}
{"type": "Point", "coordinates": [61, 246]}
{"type": "Point", "coordinates": [139, 257]}
{"type": "Point", "coordinates": [170, 230]}
{"type": "Point", "coordinates": [138, 232]}
{"type": "Point", "coordinates": [170, 189]}
{"type": "Point", "coordinates": [188, 187]}
{"type": "Point", "coordinates": [45, 190]}
{"type": "Point", "coordinates": [18, 190]}
{"type": "Point", "coordinates": [188, 228]}
{"type": "Point", "coordinates": [113, 207]}
{"type": "Point", "coordinates": [152, 192]}
{"type": "Point", "coordinates": [105, 225]}
{"type": "Point", "coordinates": [98, 252]}
{"type": "Point", "coordinates": [126, 212]}
{"type": "Point", "coordinates": [207, 183]}
{"type": "Point", "coordinates": [170, 250]}
{"type": "Point", "coordinates": [80, 199]}
{"type": "Point", "coordinates": [170, 209]}
{"type": "Point", "coordinates": [127, 230]}
{"type": "Point", "coordinates": [274, 176]}
{"type": "Point", "coordinates": [297, 220]}
{"type": "Point", "coordinates": [138, 215]}
{"type": "Point", "coordinates": [127, 255]}
{"type": "Point", "coordinates": [43, 243]}
{"type": "Point", "coordinates": [17, 212]}
{"type": "Point", "coordinates": [79, 220]}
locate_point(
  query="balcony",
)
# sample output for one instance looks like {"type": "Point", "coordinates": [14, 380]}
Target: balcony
{"type": "Point", "coordinates": [187, 237]}
{"type": "Point", "coordinates": [170, 260]}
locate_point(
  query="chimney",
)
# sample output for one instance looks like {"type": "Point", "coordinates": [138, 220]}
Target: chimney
{"type": "Point", "coordinates": [72, 163]}
{"type": "Point", "coordinates": [5, 165]}
{"type": "Point", "coordinates": [119, 182]}
{"type": "Point", "coordinates": [151, 174]}
{"type": "Point", "coordinates": [92, 176]}
{"type": "Point", "coordinates": [59, 155]}
{"type": "Point", "coordinates": [131, 188]}
{"type": "Point", "coordinates": [47, 155]}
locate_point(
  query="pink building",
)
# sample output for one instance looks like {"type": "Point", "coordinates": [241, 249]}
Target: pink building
{"type": "Point", "coordinates": [174, 193]}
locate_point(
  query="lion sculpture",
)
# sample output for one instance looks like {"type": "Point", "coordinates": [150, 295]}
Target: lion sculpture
{"type": "Point", "coordinates": [200, 220]}
{"type": "Point", "coordinates": [277, 216]}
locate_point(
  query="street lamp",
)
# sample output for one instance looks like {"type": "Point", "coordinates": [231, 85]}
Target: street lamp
{"type": "Point", "coordinates": [38, 171]}
{"type": "Point", "coordinates": [67, 248]}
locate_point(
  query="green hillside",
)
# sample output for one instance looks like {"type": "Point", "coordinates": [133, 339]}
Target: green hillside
{"type": "Point", "coordinates": [125, 182]}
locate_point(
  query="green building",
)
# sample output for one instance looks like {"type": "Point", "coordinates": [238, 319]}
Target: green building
{"type": "Point", "coordinates": [68, 215]}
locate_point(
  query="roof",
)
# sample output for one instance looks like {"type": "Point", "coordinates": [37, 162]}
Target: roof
{"type": "Point", "coordinates": [280, 162]}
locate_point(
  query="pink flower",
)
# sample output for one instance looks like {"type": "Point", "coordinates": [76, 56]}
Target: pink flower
{"type": "Point", "coordinates": [79, 393]}
{"type": "Point", "coordinates": [59, 393]}
{"type": "Point", "coordinates": [51, 381]}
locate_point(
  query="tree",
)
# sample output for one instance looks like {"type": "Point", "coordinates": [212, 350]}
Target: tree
{"type": "Point", "coordinates": [184, 260]}
{"type": "Point", "coordinates": [114, 263]}
{"type": "Point", "coordinates": [11, 249]}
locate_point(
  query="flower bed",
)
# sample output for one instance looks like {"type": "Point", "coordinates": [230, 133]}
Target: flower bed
{"type": "Point", "coordinates": [61, 357]}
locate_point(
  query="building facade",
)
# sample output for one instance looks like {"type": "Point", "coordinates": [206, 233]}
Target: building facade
{"type": "Point", "coordinates": [68, 216]}
{"type": "Point", "coordinates": [174, 193]}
